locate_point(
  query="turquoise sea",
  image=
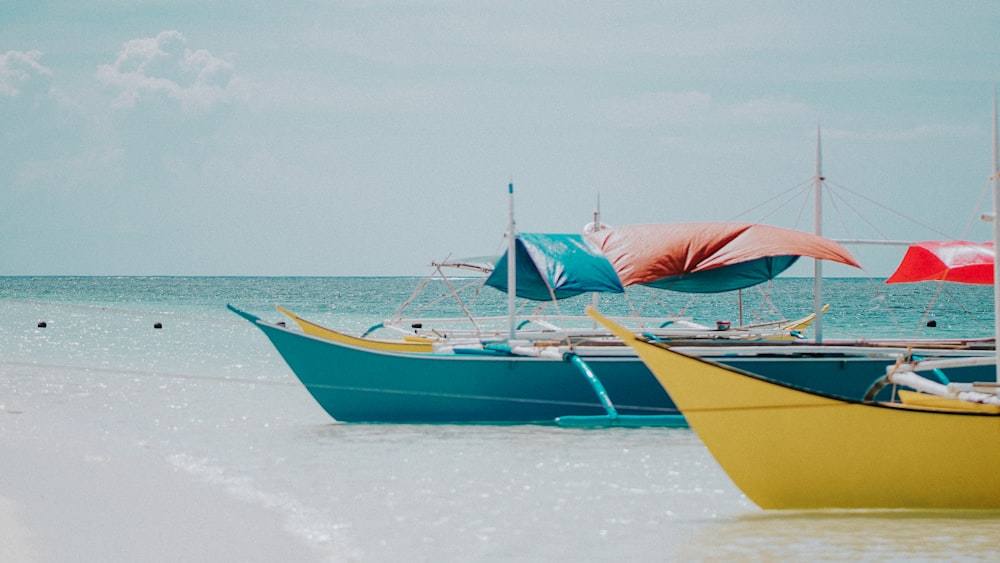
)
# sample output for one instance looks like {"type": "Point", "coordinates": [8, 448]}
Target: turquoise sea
{"type": "Point", "coordinates": [204, 403]}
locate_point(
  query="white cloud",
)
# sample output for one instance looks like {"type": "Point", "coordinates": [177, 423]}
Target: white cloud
{"type": "Point", "coordinates": [163, 67]}
{"type": "Point", "coordinates": [41, 124]}
{"type": "Point", "coordinates": [21, 75]}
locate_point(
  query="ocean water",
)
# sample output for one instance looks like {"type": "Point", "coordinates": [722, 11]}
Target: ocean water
{"type": "Point", "coordinates": [205, 399]}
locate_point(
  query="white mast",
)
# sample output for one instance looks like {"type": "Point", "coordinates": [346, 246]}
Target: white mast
{"type": "Point", "coordinates": [996, 233]}
{"type": "Point", "coordinates": [818, 223]}
{"type": "Point", "coordinates": [511, 262]}
{"type": "Point", "coordinates": [594, 299]}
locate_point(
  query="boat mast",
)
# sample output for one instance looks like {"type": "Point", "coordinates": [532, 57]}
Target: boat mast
{"type": "Point", "coordinates": [594, 299]}
{"type": "Point", "coordinates": [818, 223]}
{"type": "Point", "coordinates": [511, 265]}
{"type": "Point", "coordinates": [996, 233]}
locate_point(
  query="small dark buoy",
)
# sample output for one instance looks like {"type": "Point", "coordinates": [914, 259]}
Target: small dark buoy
{"type": "Point", "coordinates": [932, 323]}
{"type": "Point", "coordinates": [157, 325]}
{"type": "Point", "coordinates": [42, 324]}
{"type": "Point", "coordinates": [281, 323]}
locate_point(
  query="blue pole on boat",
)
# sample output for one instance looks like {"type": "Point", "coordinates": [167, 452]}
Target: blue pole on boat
{"type": "Point", "coordinates": [602, 393]}
{"type": "Point", "coordinates": [611, 416]}
{"type": "Point", "coordinates": [372, 329]}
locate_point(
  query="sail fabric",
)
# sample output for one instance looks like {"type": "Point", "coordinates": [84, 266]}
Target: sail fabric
{"type": "Point", "coordinates": [727, 278]}
{"type": "Point", "coordinates": [952, 261]}
{"type": "Point", "coordinates": [556, 265]}
{"type": "Point", "coordinates": [709, 257]}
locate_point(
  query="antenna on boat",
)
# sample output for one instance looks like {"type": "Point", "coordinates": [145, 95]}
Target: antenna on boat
{"type": "Point", "coordinates": [818, 224]}
{"type": "Point", "coordinates": [597, 213]}
{"type": "Point", "coordinates": [595, 225]}
{"type": "Point", "coordinates": [511, 265]}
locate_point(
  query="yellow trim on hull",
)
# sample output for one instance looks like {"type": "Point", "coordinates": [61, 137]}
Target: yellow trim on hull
{"type": "Point", "coordinates": [790, 449]}
{"type": "Point", "coordinates": [803, 323]}
{"type": "Point", "coordinates": [385, 345]}
{"type": "Point", "coordinates": [923, 400]}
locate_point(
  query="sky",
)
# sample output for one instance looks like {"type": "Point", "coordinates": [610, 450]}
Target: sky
{"type": "Point", "coordinates": [330, 138]}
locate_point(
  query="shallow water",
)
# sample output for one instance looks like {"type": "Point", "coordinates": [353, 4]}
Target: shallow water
{"type": "Point", "coordinates": [207, 398]}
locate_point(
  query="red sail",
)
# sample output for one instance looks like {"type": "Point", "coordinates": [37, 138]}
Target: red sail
{"type": "Point", "coordinates": [953, 261]}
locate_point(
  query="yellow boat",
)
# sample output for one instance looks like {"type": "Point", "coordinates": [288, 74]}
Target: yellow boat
{"type": "Point", "coordinates": [788, 448]}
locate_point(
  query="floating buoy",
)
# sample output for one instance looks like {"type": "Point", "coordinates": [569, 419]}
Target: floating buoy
{"type": "Point", "coordinates": [42, 324]}
{"type": "Point", "coordinates": [157, 325]}
{"type": "Point", "coordinates": [281, 323]}
{"type": "Point", "coordinates": [932, 323]}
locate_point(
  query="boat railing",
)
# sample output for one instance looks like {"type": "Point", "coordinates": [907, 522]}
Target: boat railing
{"type": "Point", "coordinates": [575, 327]}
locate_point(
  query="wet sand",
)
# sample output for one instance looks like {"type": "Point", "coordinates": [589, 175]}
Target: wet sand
{"type": "Point", "coordinates": [64, 498]}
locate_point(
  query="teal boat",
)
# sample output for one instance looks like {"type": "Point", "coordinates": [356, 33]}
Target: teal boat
{"type": "Point", "coordinates": [524, 379]}
{"type": "Point", "coordinates": [585, 385]}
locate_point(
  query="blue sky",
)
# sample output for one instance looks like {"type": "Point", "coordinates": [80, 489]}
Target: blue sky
{"type": "Point", "coordinates": [181, 137]}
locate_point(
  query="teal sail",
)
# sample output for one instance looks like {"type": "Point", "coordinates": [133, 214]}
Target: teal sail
{"type": "Point", "coordinates": [727, 278]}
{"type": "Point", "coordinates": [556, 265]}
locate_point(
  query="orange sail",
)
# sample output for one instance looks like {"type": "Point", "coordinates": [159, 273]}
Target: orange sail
{"type": "Point", "coordinates": [709, 257]}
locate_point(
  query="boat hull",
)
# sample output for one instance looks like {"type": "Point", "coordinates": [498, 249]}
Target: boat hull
{"type": "Point", "coordinates": [358, 383]}
{"type": "Point", "coordinates": [788, 448]}
{"type": "Point", "coordinates": [355, 384]}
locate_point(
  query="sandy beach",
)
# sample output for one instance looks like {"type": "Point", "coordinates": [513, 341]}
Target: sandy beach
{"type": "Point", "coordinates": [71, 497]}
{"type": "Point", "coordinates": [15, 545]}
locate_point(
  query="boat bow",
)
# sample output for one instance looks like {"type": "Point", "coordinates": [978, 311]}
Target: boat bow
{"type": "Point", "coordinates": [789, 448]}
